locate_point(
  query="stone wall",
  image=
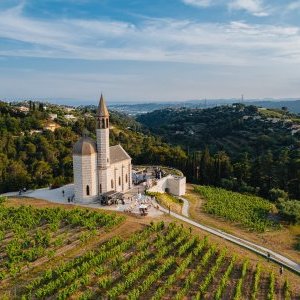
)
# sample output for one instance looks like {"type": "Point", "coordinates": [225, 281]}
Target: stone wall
{"type": "Point", "coordinates": [85, 170]}
{"type": "Point", "coordinates": [176, 185]}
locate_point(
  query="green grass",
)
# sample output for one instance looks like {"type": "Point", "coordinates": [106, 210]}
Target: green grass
{"type": "Point", "coordinates": [250, 211]}
{"type": "Point", "coordinates": [168, 200]}
{"type": "Point", "coordinates": [270, 113]}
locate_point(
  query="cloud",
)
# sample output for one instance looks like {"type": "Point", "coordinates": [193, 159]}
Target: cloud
{"type": "Point", "coordinates": [161, 40]}
{"type": "Point", "coordinates": [199, 3]}
{"type": "Point", "coordinates": [295, 5]}
{"type": "Point", "coordinates": [254, 7]}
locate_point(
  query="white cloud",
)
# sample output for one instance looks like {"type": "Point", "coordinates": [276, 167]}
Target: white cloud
{"type": "Point", "coordinates": [254, 7]}
{"type": "Point", "coordinates": [295, 5]}
{"type": "Point", "coordinates": [199, 3]}
{"type": "Point", "coordinates": [236, 43]}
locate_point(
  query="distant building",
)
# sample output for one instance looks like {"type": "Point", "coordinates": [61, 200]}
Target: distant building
{"type": "Point", "coordinates": [69, 109]}
{"type": "Point", "coordinates": [295, 128]}
{"type": "Point", "coordinates": [98, 167]}
{"type": "Point", "coordinates": [70, 117]}
{"type": "Point", "coordinates": [50, 125]}
{"type": "Point", "coordinates": [53, 116]}
{"type": "Point", "coordinates": [23, 109]}
{"type": "Point", "coordinates": [31, 132]}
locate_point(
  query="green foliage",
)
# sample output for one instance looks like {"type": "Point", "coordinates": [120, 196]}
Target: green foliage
{"type": "Point", "coordinates": [235, 147]}
{"type": "Point", "coordinates": [271, 291]}
{"type": "Point", "coordinates": [30, 237]}
{"type": "Point", "coordinates": [158, 262]}
{"type": "Point", "coordinates": [257, 278]}
{"type": "Point", "coordinates": [287, 290]}
{"type": "Point", "coordinates": [250, 211]}
{"type": "Point", "coordinates": [290, 210]}
{"type": "Point", "coordinates": [239, 286]}
{"type": "Point", "coordinates": [277, 194]}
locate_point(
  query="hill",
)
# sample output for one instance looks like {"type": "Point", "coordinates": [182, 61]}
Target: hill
{"type": "Point", "coordinates": [292, 105]}
{"type": "Point", "coordinates": [123, 258]}
{"type": "Point", "coordinates": [238, 147]}
{"type": "Point", "coordinates": [36, 143]}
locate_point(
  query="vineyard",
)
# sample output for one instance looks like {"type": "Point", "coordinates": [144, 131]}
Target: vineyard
{"type": "Point", "coordinates": [159, 262]}
{"type": "Point", "coordinates": [250, 211]}
{"type": "Point", "coordinates": [28, 234]}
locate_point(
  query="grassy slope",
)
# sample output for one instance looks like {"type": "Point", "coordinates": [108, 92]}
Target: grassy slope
{"type": "Point", "coordinates": [124, 230]}
{"type": "Point", "coordinates": [250, 211]}
{"type": "Point", "coordinates": [167, 200]}
{"type": "Point", "coordinates": [283, 240]}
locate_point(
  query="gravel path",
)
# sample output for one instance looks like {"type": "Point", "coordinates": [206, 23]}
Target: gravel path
{"type": "Point", "coordinates": [185, 207]}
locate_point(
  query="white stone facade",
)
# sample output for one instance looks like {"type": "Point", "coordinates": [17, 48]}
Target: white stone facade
{"type": "Point", "coordinates": [175, 185]}
{"type": "Point", "coordinates": [85, 179]}
{"type": "Point", "coordinates": [99, 168]}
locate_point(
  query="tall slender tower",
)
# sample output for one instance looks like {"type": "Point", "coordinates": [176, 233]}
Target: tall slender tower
{"type": "Point", "coordinates": [103, 157]}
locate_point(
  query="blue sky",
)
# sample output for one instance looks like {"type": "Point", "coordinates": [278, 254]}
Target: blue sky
{"type": "Point", "coordinates": [141, 50]}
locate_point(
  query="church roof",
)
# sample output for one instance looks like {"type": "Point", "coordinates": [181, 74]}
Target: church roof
{"type": "Point", "coordinates": [117, 153]}
{"type": "Point", "coordinates": [102, 109]}
{"type": "Point", "coordinates": [84, 146]}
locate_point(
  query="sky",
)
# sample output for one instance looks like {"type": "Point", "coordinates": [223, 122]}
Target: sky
{"type": "Point", "coordinates": [141, 50]}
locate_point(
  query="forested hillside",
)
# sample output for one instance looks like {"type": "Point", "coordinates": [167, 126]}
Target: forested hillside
{"type": "Point", "coordinates": [237, 147]}
{"type": "Point", "coordinates": [32, 156]}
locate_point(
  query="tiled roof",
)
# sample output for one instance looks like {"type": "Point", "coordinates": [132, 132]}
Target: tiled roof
{"type": "Point", "coordinates": [117, 153]}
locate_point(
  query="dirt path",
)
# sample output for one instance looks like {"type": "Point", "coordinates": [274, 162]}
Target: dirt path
{"type": "Point", "coordinates": [185, 207]}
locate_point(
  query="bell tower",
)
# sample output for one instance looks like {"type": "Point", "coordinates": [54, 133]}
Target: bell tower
{"type": "Point", "coordinates": [102, 133]}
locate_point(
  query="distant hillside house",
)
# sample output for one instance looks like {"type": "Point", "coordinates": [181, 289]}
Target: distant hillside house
{"type": "Point", "coordinates": [69, 109]}
{"type": "Point", "coordinates": [70, 117]}
{"type": "Point", "coordinates": [23, 109]}
{"type": "Point", "coordinates": [98, 167]}
{"type": "Point", "coordinates": [53, 116]}
{"type": "Point", "coordinates": [51, 126]}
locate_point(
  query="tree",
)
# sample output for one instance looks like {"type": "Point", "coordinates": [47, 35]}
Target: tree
{"type": "Point", "coordinates": [277, 194]}
{"type": "Point", "coordinates": [205, 167]}
{"type": "Point", "coordinates": [42, 173]}
{"type": "Point", "coordinates": [16, 176]}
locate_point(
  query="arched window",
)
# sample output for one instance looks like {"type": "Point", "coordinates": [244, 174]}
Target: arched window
{"type": "Point", "coordinates": [106, 123]}
{"type": "Point", "coordinates": [100, 188]}
{"type": "Point", "coordinates": [103, 123]}
{"type": "Point", "coordinates": [112, 184]}
{"type": "Point", "coordinates": [126, 178]}
{"type": "Point", "coordinates": [119, 180]}
{"type": "Point", "coordinates": [87, 190]}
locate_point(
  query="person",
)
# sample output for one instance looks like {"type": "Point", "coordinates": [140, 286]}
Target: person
{"type": "Point", "coordinates": [69, 199]}
{"type": "Point", "coordinates": [63, 193]}
{"type": "Point", "coordinates": [269, 256]}
{"type": "Point", "coordinates": [169, 209]}
{"type": "Point", "coordinates": [281, 270]}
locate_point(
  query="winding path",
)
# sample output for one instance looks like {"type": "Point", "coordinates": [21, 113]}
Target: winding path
{"type": "Point", "coordinates": [185, 207]}
{"type": "Point", "coordinates": [276, 257]}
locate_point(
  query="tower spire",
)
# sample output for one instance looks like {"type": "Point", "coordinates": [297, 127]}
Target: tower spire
{"type": "Point", "coordinates": [102, 110]}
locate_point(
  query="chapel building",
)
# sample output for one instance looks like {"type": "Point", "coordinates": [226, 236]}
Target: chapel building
{"type": "Point", "coordinates": [100, 168]}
